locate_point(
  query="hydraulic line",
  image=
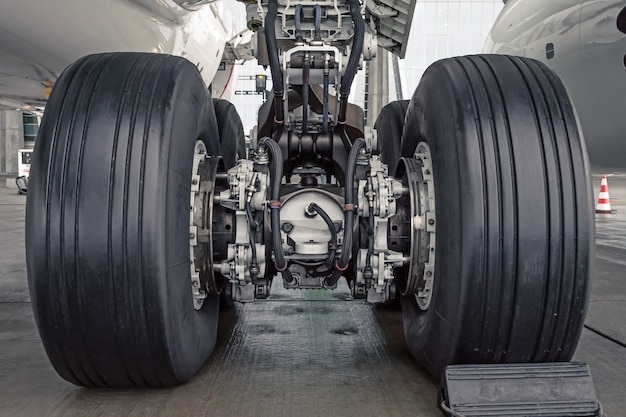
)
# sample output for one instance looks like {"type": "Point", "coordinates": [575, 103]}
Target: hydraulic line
{"type": "Point", "coordinates": [353, 62]}
{"type": "Point", "coordinates": [277, 73]}
{"type": "Point", "coordinates": [333, 233]}
{"type": "Point", "coordinates": [317, 11]}
{"type": "Point", "coordinates": [305, 93]}
{"type": "Point", "coordinates": [348, 209]}
{"type": "Point", "coordinates": [325, 100]}
{"type": "Point", "coordinates": [276, 174]}
{"type": "Point", "coordinates": [298, 16]}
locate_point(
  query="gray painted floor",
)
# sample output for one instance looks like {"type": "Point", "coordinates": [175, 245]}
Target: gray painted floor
{"type": "Point", "coordinates": [300, 354]}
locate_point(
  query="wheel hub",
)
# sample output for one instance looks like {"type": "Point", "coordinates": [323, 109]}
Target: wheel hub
{"type": "Point", "coordinates": [206, 220]}
{"type": "Point", "coordinates": [420, 225]}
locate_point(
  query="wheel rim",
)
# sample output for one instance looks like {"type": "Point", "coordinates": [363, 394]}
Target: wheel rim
{"type": "Point", "coordinates": [198, 293]}
{"type": "Point", "coordinates": [418, 178]}
{"type": "Point", "coordinates": [210, 228]}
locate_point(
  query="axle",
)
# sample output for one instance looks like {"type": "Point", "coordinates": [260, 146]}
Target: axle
{"type": "Point", "coordinates": [313, 230]}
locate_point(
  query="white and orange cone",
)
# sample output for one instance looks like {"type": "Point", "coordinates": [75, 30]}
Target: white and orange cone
{"type": "Point", "coordinates": [604, 205]}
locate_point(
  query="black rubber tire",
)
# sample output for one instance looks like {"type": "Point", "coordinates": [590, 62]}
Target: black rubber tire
{"type": "Point", "coordinates": [233, 148]}
{"type": "Point", "coordinates": [514, 215]}
{"type": "Point", "coordinates": [107, 222]}
{"type": "Point", "coordinates": [389, 125]}
{"type": "Point", "coordinates": [232, 138]}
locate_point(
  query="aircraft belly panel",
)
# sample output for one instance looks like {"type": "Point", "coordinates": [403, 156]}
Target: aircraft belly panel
{"type": "Point", "coordinates": [39, 39]}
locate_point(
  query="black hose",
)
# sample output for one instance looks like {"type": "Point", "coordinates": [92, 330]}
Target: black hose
{"type": "Point", "coordinates": [333, 233]}
{"type": "Point", "coordinates": [353, 61]}
{"type": "Point", "coordinates": [298, 16]}
{"type": "Point", "coordinates": [272, 50]}
{"type": "Point", "coordinates": [344, 260]}
{"type": "Point", "coordinates": [317, 34]}
{"type": "Point", "coordinates": [325, 101]}
{"type": "Point", "coordinates": [305, 93]}
{"type": "Point", "coordinates": [276, 174]}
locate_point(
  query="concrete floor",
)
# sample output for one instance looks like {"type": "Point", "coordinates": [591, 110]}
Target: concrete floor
{"type": "Point", "coordinates": [299, 354]}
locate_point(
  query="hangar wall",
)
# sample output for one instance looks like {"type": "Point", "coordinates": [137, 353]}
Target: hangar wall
{"type": "Point", "coordinates": [11, 139]}
{"type": "Point", "coordinates": [445, 28]}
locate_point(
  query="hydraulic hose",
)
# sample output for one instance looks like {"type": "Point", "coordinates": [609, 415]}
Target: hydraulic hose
{"type": "Point", "coordinates": [348, 209]}
{"type": "Point", "coordinates": [276, 174]}
{"type": "Point", "coordinates": [353, 61]}
{"type": "Point", "coordinates": [317, 34]}
{"type": "Point", "coordinates": [325, 100]}
{"type": "Point", "coordinates": [298, 16]}
{"type": "Point", "coordinates": [305, 93]}
{"type": "Point", "coordinates": [272, 50]}
{"type": "Point", "coordinates": [333, 233]}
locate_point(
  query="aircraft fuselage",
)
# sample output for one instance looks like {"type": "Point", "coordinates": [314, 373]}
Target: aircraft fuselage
{"type": "Point", "coordinates": [39, 39]}
{"type": "Point", "coordinates": [581, 41]}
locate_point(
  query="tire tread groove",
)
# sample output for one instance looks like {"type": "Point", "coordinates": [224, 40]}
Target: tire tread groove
{"type": "Point", "coordinates": [577, 240]}
{"type": "Point", "coordinates": [539, 121]}
{"type": "Point", "coordinates": [55, 136]}
{"type": "Point", "coordinates": [508, 147]}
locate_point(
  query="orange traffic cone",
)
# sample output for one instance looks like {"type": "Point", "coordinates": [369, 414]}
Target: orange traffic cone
{"type": "Point", "coordinates": [603, 206]}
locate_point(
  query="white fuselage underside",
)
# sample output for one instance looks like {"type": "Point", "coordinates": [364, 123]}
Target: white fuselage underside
{"type": "Point", "coordinates": [38, 39]}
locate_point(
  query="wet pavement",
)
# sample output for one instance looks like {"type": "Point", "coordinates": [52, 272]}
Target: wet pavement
{"type": "Point", "coordinates": [301, 353]}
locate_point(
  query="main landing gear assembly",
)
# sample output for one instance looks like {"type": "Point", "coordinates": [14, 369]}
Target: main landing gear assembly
{"type": "Point", "coordinates": [474, 209]}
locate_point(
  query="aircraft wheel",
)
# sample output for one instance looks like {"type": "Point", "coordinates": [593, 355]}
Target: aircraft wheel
{"type": "Point", "coordinates": [500, 215]}
{"type": "Point", "coordinates": [108, 222]}
{"type": "Point", "coordinates": [389, 124]}
{"type": "Point", "coordinates": [232, 138]}
{"type": "Point", "coordinates": [233, 148]}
